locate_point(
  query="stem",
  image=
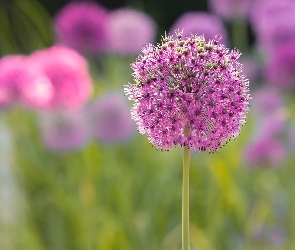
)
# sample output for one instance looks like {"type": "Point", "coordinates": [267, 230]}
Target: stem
{"type": "Point", "coordinates": [240, 35]}
{"type": "Point", "coordinates": [185, 197]}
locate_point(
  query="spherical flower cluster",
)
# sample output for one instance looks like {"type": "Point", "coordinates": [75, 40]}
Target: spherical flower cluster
{"type": "Point", "coordinates": [129, 30]}
{"type": "Point", "coordinates": [189, 84]}
{"type": "Point", "coordinates": [67, 72]}
{"type": "Point", "coordinates": [231, 9]}
{"type": "Point", "coordinates": [201, 23]}
{"type": "Point", "coordinates": [82, 26]}
{"type": "Point", "coordinates": [110, 118]}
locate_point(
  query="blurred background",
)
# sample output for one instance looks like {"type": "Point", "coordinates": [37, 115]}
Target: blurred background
{"type": "Point", "coordinates": [75, 173]}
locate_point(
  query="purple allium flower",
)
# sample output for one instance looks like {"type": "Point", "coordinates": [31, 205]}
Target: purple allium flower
{"type": "Point", "coordinates": [189, 82]}
{"type": "Point", "coordinates": [68, 74]}
{"type": "Point", "coordinates": [65, 131]}
{"type": "Point", "coordinates": [110, 118]}
{"type": "Point", "coordinates": [265, 152]}
{"type": "Point", "coordinates": [200, 23]}
{"type": "Point", "coordinates": [129, 30]}
{"type": "Point", "coordinates": [231, 9]}
{"type": "Point", "coordinates": [82, 26]}
{"type": "Point", "coordinates": [21, 83]}
{"type": "Point", "coordinates": [280, 69]}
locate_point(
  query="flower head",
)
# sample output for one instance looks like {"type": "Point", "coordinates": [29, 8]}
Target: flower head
{"type": "Point", "coordinates": [201, 23]}
{"type": "Point", "coordinates": [110, 119]}
{"type": "Point", "coordinates": [188, 82]}
{"type": "Point", "coordinates": [129, 30]}
{"type": "Point", "coordinates": [67, 72]}
{"type": "Point", "coordinates": [82, 26]}
{"type": "Point", "coordinates": [231, 9]}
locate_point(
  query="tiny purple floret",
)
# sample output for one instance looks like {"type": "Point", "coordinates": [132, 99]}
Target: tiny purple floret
{"type": "Point", "coordinates": [193, 83]}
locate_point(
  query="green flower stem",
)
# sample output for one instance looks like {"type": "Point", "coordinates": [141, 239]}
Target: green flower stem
{"type": "Point", "coordinates": [185, 197]}
{"type": "Point", "coordinates": [240, 34]}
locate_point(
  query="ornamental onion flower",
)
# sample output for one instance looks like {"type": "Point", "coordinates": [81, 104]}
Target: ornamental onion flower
{"type": "Point", "coordinates": [201, 23]}
{"type": "Point", "coordinates": [82, 26]}
{"type": "Point", "coordinates": [67, 72]}
{"type": "Point", "coordinates": [191, 82]}
{"type": "Point", "coordinates": [190, 93]}
{"type": "Point", "coordinates": [129, 30]}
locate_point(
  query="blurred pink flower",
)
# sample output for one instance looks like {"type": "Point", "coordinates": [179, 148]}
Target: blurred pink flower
{"type": "Point", "coordinates": [273, 23]}
{"type": "Point", "coordinates": [21, 83]}
{"type": "Point", "coordinates": [231, 9]}
{"type": "Point", "coordinates": [82, 26]}
{"type": "Point", "coordinates": [64, 131]}
{"type": "Point", "coordinates": [280, 69]}
{"type": "Point", "coordinates": [11, 73]}
{"type": "Point", "coordinates": [67, 72]}
{"type": "Point", "coordinates": [274, 124]}
{"type": "Point", "coordinates": [265, 152]}
{"type": "Point", "coordinates": [110, 118]}
{"type": "Point", "coordinates": [200, 23]}
{"type": "Point", "coordinates": [129, 30]}
{"type": "Point", "coordinates": [250, 68]}
{"type": "Point", "coordinates": [266, 100]}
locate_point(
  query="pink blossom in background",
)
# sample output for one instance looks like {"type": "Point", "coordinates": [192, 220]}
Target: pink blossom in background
{"type": "Point", "coordinates": [110, 118]}
{"type": "Point", "coordinates": [266, 100]}
{"type": "Point", "coordinates": [273, 23]}
{"type": "Point", "coordinates": [11, 74]}
{"type": "Point", "coordinates": [20, 83]}
{"type": "Point", "coordinates": [280, 33]}
{"type": "Point", "coordinates": [251, 68]}
{"type": "Point", "coordinates": [129, 30]}
{"type": "Point", "coordinates": [280, 69]}
{"type": "Point", "coordinates": [82, 26]}
{"type": "Point", "coordinates": [200, 23]}
{"type": "Point", "coordinates": [68, 74]}
{"type": "Point", "coordinates": [65, 131]}
{"type": "Point", "coordinates": [231, 9]}
{"type": "Point", "coordinates": [274, 124]}
{"type": "Point", "coordinates": [265, 152]}
{"type": "Point", "coordinates": [188, 82]}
